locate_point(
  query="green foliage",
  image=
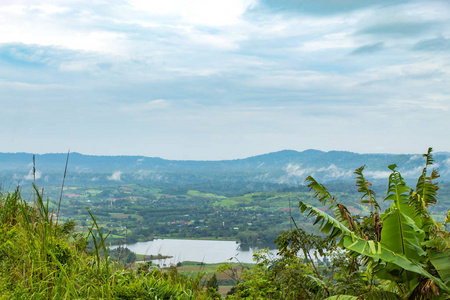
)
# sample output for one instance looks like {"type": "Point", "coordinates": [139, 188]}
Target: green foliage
{"type": "Point", "coordinates": [293, 276]}
{"type": "Point", "coordinates": [401, 253]}
{"type": "Point", "coordinates": [40, 259]}
{"type": "Point", "coordinates": [213, 287]}
{"type": "Point", "coordinates": [122, 255]}
{"type": "Point", "coordinates": [403, 245]}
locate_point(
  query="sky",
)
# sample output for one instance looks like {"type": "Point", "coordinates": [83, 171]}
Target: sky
{"type": "Point", "coordinates": [211, 80]}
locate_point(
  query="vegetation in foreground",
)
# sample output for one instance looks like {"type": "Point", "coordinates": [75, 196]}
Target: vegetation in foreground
{"type": "Point", "coordinates": [41, 259]}
{"type": "Point", "coordinates": [401, 253]}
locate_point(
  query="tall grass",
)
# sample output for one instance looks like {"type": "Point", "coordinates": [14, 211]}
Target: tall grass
{"type": "Point", "coordinates": [40, 259]}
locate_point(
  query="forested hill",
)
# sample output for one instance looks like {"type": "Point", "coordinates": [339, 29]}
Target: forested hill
{"type": "Point", "coordinates": [283, 167]}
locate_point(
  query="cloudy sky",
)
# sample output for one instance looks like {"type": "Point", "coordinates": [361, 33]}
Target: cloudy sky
{"type": "Point", "coordinates": [210, 79]}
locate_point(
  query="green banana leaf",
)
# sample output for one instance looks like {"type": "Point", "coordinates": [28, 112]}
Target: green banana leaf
{"type": "Point", "coordinates": [372, 249]}
{"type": "Point", "coordinates": [342, 297]}
{"type": "Point", "coordinates": [327, 224]}
{"type": "Point", "coordinates": [401, 235]}
{"type": "Point", "coordinates": [369, 195]}
{"type": "Point", "coordinates": [399, 193]}
{"type": "Point", "coordinates": [426, 189]}
{"type": "Point", "coordinates": [375, 295]}
{"type": "Point", "coordinates": [441, 262]}
{"type": "Point", "coordinates": [379, 295]}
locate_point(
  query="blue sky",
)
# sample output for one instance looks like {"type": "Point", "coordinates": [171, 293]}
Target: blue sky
{"type": "Point", "coordinates": [203, 79]}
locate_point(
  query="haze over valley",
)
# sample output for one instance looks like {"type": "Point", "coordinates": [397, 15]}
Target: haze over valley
{"type": "Point", "coordinates": [286, 167]}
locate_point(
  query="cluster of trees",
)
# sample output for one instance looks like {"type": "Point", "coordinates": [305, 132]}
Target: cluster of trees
{"type": "Point", "coordinates": [122, 255]}
{"type": "Point", "coordinates": [398, 253]}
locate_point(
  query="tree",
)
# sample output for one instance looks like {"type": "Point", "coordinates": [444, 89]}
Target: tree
{"type": "Point", "coordinates": [398, 253]}
{"type": "Point", "coordinates": [403, 245]}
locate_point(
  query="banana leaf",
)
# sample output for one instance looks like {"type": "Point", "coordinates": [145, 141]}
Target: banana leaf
{"type": "Point", "coordinates": [342, 297]}
{"type": "Point", "coordinates": [401, 235]}
{"type": "Point", "coordinates": [375, 295]}
{"type": "Point", "coordinates": [441, 262]}
{"type": "Point", "coordinates": [372, 249]}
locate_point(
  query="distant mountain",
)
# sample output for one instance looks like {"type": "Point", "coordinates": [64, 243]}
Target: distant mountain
{"type": "Point", "coordinates": [283, 167]}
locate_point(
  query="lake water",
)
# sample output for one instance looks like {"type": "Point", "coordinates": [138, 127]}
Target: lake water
{"type": "Point", "coordinates": [207, 251]}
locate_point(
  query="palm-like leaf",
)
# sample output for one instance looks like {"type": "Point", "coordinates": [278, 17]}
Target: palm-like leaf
{"type": "Point", "coordinates": [401, 235]}
{"type": "Point", "coordinates": [439, 240]}
{"type": "Point", "coordinates": [401, 226]}
{"type": "Point", "coordinates": [441, 261]}
{"type": "Point", "coordinates": [378, 295]}
{"type": "Point", "coordinates": [401, 231]}
{"type": "Point", "coordinates": [319, 191]}
{"type": "Point", "coordinates": [378, 251]}
{"type": "Point", "coordinates": [372, 249]}
{"type": "Point", "coordinates": [426, 192]}
{"type": "Point", "coordinates": [409, 248]}
{"type": "Point", "coordinates": [398, 192]}
{"type": "Point", "coordinates": [369, 195]}
{"type": "Point", "coordinates": [342, 297]}
{"type": "Point", "coordinates": [327, 224]}
{"type": "Point", "coordinates": [375, 295]}
{"type": "Point", "coordinates": [340, 211]}
{"type": "Point", "coordinates": [438, 250]}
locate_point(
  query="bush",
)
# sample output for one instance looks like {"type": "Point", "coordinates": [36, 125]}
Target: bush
{"type": "Point", "coordinates": [40, 259]}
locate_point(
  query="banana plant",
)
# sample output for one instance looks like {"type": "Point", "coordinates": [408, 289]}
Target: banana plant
{"type": "Point", "coordinates": [403, 245]}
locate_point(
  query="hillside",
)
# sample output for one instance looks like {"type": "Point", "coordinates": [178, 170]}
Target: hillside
{"type": "Point", "coordinates": [285, 167]}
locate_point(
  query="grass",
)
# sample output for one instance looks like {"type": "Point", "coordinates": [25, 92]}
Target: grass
{"type": "Point", "coordinates": [125, 216]}
{"type": "Point", "coordinates": [195, 267]}
{"type": "Point", "coordinates": [225, 203]}
{"type": "Point", "coordinates": [205, 195]}
{"type": "Point", "coordinates": [94, 192]}
{"type": "Point", "coordinates": [40, 259]}
{"type": "Point", "coordinates": [225, 279]}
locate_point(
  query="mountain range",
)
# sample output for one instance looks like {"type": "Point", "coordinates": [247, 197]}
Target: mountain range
{"type": "Point", "coordinates": [283, 167]}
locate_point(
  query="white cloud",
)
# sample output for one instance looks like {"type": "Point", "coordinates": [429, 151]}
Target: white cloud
{"type": "Point", "coordinates": [296, 170]}
{"type": "Point", "coordinates": [377, 174]}
{"type": "Point", "coordinates": [413, 173]}
{"type": "Point", "coordinates": [147, 106]}
{"type": "Point", "coordinates": [14, 9]}
{"type": "Point", "coordinates": [203, 12]}
{"type": "Point", "coordinates": [30, 175]}
{"type": "Point", "coordinates": [295, 174]}
{"type": "Point", "coordinates": [219, 41]}
{"type": "Point", "coordinates": [148, 175]}
{"type": "Point", "coordinates": [330, 41]}
{"type": "Point", "coordinates": [82, 64]}
{"type": "Point", "coordinates": [57, 25]}
{"type": "Point", "coordinates": [49, 9]}
{"type": "Point", "coordinates": [335, 172]}
{"type": "Point", "coordinates": [415, 157]}
{"type": "Point", "coordinates": [115, 176]}
{"type": "Point", "coordinates": [329, 173]}
{"type": "Point", "coordinates": [447, 162]}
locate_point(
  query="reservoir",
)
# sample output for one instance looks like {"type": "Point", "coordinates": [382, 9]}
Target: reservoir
{"type": "Point", "coordinates": [206, 251]}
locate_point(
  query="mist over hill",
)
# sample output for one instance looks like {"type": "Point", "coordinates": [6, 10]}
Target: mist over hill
{"type": "Point", "coordinates": [285, 167]}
